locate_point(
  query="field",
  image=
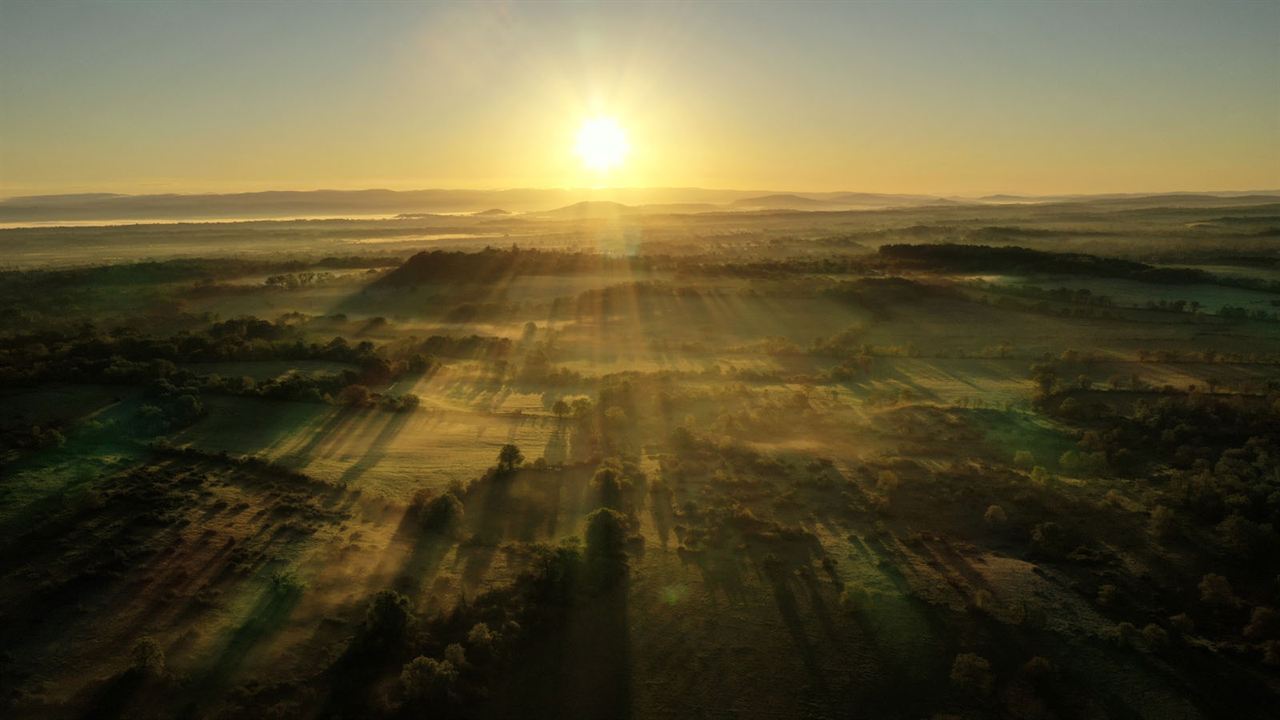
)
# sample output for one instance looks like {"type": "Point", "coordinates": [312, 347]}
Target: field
{"type": "Point", "coordinates": [961, 460]}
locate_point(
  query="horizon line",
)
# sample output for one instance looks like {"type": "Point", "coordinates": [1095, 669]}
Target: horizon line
{"type": "Point", "coordinates": [962, 195]}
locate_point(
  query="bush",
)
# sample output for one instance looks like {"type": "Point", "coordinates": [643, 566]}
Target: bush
{"type": "Point", "coordinates": [1182, 624]}
{"type": "Point", "coordinates": [1162, 523]}
{"type": "Point", "coordinates": [148, 657]}
{"type": "Point", "coordinates": [983, 601]}
{"type": "Point", "coordinates": [887, 482]}
{"type": "Point", "coordinates": [1125, 635]}
{"type": "Point", "coordinates": [1038, 668]}
{"type": "Point", "coordinates": [972, 673]}
{"type": "Point", "coordinates": [1040, 477]}
{"type": "Point", "coordinates": [1155, 637]}
{"type": "Point", "coordinates": [439, 515]}
{"type": "Point", "coordinates": [1048, 539]}
{"type": "Point", "coordinates": [355, 396]}
{"type": "Point", "coordinates": [1263, 625]}
{"type": "Point", "coordinates": [1216, 591]}
{"type": "Point", "coordinates": [995, 516]}
{"type": "Point", "coordinates": [455, 655]}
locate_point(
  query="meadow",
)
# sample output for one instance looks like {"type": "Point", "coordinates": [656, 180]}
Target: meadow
{"type": "Point", "coordinates": [957, 460]}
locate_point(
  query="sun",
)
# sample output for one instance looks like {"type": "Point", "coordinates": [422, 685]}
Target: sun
{"type": "Point", "coordinates": [602, 144]}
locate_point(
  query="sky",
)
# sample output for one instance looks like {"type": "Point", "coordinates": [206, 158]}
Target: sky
{"type": "Point", "coordinates": [955, 98]}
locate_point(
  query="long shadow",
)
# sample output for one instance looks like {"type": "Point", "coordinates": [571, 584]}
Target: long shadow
{"type": "Point", "coordinates": [780, 581]}
{"type": "Point", "coordinates": [581, 669]}
{"type": "Point", "coordinates": [265, 619]}
{"type": "Point", "coordinates": [660, 510]}
{"type": "Point", "coordinates": [337, 426]}
{"type": "Point", "coordinates": [376, 450]}
{"type": "Point", "coordinates": [422, 563]}
{"type": "Point", "coordinates": [488, 526]}
{"type": "Point", "coordinates": [960, 565]}
{"type": "Point", "coordinates": [819, 605]}
{"type": "Point", "coordinates": [557, 448]}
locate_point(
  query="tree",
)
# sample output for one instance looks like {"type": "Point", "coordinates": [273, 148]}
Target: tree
{"type": "Point", "coordinates": [887, 482]}
{"type": "Point", "coordinates": [441, 514]}
{"type": "Point", "coordinates": [611, 486]}
{"type": "Point", "coordinates": [509, 457]}
{"type": "Point", "coordinates": [972, 673]}
{"type": "Point", "coordinates": [1048, 539]}
{"type": "Point", "coordinates": [1040, 476]}
{"type": "Point", "coordinates": [606, 555]}
{"type": "Point", "coordinates": [560, 409]}
{"type": "Point", "coordinates": [455, 655]}
{"type": "Point", "coordinates": [1155, 637]}
{"type": "Point", "coordinates": [1215, 590]}
{"type": "Point", "coordinates": [387, 621]}
{"type": "Point", "coordinates": [995, 516]}
{"type": "Point", "coordinates": [355, 396]}
{"type": "Point", "coordinates": [482, 641]}
{"type": "Point", "coordinates": [148, 657]}
{"type": "Point", "coordinates": [1162, 523]}
{"type": "Point", "coordinates": [1264, 624]}
{"type": "Point", "coordinates": [427, 680]}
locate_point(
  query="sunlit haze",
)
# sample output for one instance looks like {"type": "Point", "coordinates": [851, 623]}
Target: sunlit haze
{"type": "Point", "coordinates": [936, 97]}
{"type": "Point", "coordinates": [602, 144]}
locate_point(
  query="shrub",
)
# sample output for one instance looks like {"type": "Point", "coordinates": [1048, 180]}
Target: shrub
{"type": "Point", "coordinates": [482, 641]}
{"type": "Point", "coordinates": [995, 516]}
{"type": "Point", "coordinates": [983, 601]}
{"type": "Point", "coordinates": [972, 673]}
{"type": "Point", "coordinates": [887, 481]}
{"type": "Point", "coordinates": [1125, 635]}
{"type": "Point", "coordinates": [1024, 459]}
{"type": "Point", "coordinates": [440, 515]}
{"type": "Point", "coordinates": [1038, 668]}
{"type": "Point", "coordinates": [1047, 538]}
{"type": "Point", "coordinates": [1182, 624]}
{"type": "Point", "coordinates": [148, 657]}
{"type": "Point", "coordinates": [1263, 625]}
{"type": "Point", "coordinates": [1216, 591]}
{"type": "Point", "coordinates": [1040, 477]}
{"type": "Point", "coordinates": [1155, 637]}
{"type": "Point", "coordinates": [355, 396]}
{"type": "Point", "coordinates": [455, 655]}
{"type": "Point", "coordinates": [1162, 523]}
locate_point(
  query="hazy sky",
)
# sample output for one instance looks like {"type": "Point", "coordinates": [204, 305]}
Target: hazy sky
{"type": "Point", "coordinates": [937, 97]}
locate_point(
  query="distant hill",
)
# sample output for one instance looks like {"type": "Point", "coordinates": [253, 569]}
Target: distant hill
{"type": "Point", "coordinates": [608, 209]}
{"type": "Point", "coordinates": [834, 201]}
{"type": "Point", "coordinates": [420, 203]}
{"type": "Point", "coordinates": [1223, 199]}
{"type": "Point", "coordinates": [588, 209]}
{"type": "Point", "coordinates": [779, 202]}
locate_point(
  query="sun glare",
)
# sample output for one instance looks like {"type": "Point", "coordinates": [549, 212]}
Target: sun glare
{"type": "Point", "coordinates": [602, 144]}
